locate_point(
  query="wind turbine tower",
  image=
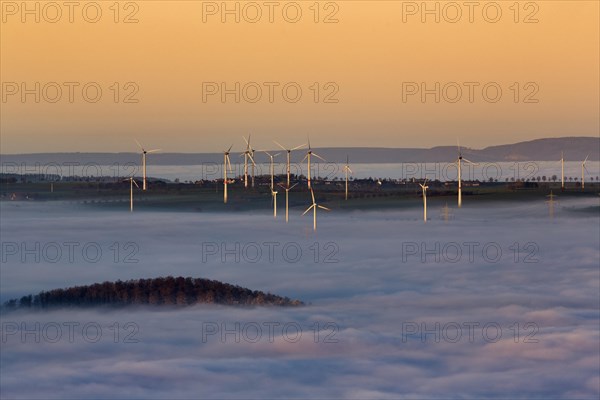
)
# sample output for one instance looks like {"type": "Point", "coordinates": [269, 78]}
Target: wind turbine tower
{"type": "Point", "coordinates": [314, 207]}
{"type": "Point", "coordinates": [424, 187]}
{"type": "Point", "coordinates": [347, 170]}
{"type": "Point", "coordinates": [307, 157]}
{"type": "Point", "coordinates": [289, 152]}
{"type": "Point", "coordinates": [226, 165]}
{"type": "Point", "coordinates": [144, 153]}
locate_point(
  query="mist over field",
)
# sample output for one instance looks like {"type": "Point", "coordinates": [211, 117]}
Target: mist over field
{"type": "Point", "coordinates": [500, 301]}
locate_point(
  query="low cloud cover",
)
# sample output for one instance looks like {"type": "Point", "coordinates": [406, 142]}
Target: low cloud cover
{"type": "Point", "coordinates": [499, 302]}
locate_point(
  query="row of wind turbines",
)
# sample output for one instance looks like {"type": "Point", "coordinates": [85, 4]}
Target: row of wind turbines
{"type": "Point", "coordinates": [249, 162]}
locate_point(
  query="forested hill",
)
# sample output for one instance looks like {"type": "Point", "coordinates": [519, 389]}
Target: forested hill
{"type": "Point", "coordinates": [158, 291]}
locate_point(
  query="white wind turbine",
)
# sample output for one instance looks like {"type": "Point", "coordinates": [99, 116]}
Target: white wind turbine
{"type": "Point", "coordinates": [583, 169]}
{"type": "Point", "coordinates": [459, 163]}
{"type": "Point", "coordinates": [144, 152]}
{"type": "Point", "coordinates": [307, 157]}
{"type": "Point", "coordinates": [226, 165]}
{"type": "Point", "coordinates": [562, 171]}
{"type": "Point", "coordinates": [248, 154]}
{"type": "Point", "coordinates": [424, 187]}
{"type": "Point", "coordinates": [314, 207]}
{"type": "Point", "coordinates": [131, 183]}
{"type": "Point", "coordinates": [289, 152]}
{"type": "Point", "coordinates": [347, 170]}
{"type": "Point", "coordinates": [273, 191]}
{"type": "Point", "coordinates": [287, 195]}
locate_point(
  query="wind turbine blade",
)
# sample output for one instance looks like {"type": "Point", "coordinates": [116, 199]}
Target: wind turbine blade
{"type": "Point", "coordinates": [139, 145]}
{"type": "Point", "coordinates": [229, 164]}
{"type": "Point", "coordinates": [251, 159]}
{"type": "Point", "coordinates": [470, 162]}
{"type": "Point", "coordinates": [267, 153]}
{"type": "Point", "coordinates": [350, 170]}
{"type": "Point", "coordinates": [279, 145]}
{"type": "Point", "coordinates": [308, 140]}
{"type": "Point", "coordinates": [305, 157]}
{"type": "Point", "coordinates": [135, 183]}
{"type": "Point", "coordinates": [153, 151]}
{"type": "Point", "coordinates": [319, 157]}
{"type": "Point", "coordinates": [298, 147]}
{"type": "Point", "coordinates": [276, 154]}
{"type": "Point", "coordinates": [458, 145]}
{"type": "Point", "coordinates": [246, 140]}
{"type": "Point", "coordinates": [312, 193]}
{"type": "Point", "coordinates": [230, 147]}
{"type": "Point", "coordinates": [324, 208]}
{"type": "Point", "coordinates": [293, 186]}
{"type": "Point", "coordinates": [308, 209]}
{"type": "Point", "coordinates": [586, 157]}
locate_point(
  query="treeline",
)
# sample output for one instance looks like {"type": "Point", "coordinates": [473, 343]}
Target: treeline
{"type": "Point", "coordinates": [168, 291]}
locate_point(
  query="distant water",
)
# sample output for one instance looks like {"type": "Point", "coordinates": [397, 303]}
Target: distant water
{"type": "Point", "coordinates": [442, 171]}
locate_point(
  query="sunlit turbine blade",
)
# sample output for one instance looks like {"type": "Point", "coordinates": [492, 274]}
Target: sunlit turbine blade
{"type": "Point", "coordinates": [305, 157]}
{"type": "Point", "coordinates": [139, 145]}
{"type": "Point", "coordinates": [279, 145]}
{"type": "Point", "coordinates": [251, 158]}
{"type": "Point", "coordinates": [586, 157]}
{"type": "Point", "coordinates": [324, 208]}
{"type": "Point", "coordinates": [153, 151]}
{"type": "Point", "coordinates": [313, 195]}
{"type": "Point", "coordinates": [308, 209]}
{"type": "Point", "coordinates": [470, 162]}
{"type": "Point", "coordinates": [319, 157]}
{"type": "Point", "coordinates": [293, 186]}
{"type": "Point", "coordinates": [135, 183]}
{"type": "Point", "coordinates": [298, 147]}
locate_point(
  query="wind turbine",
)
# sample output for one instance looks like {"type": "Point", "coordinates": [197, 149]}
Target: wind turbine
{"type": "Point", "coordinates": [226, 164]}
{"type": "Point", "coordinates": [287, 193]}
{"type": "Point", "coordinates": [583, 169]}
{"type": "Point", "coordinates": [131, 183]}
{"type": "Point", "coordinates": [274, 194]}
{"type": "Point", "coordinates": [459, 163]}
{"type": "Point", "coordinates": [289, 151]}
{"type": "Point", "coordinates": [424, 187]}
{"type": "Point", "coordinates": [314, 207]}
{"type": "Point", "coordinates": [144, 152]}
{"type": "Point", "coordinates": [562, 171]}
{"type": "Point", "coordinates": [310, 153]}
{"type": "Point", "coordinates": [248, 154]}
{"type": "Point", "coordinates": [272, 167]}
{"type": "Point", "coordinates": [347, 170]}
{"type": "Point", "coordinates": [273, 191]}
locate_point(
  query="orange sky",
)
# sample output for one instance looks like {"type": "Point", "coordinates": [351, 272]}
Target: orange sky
{"type": "Point", "coordinates": [368, 56]}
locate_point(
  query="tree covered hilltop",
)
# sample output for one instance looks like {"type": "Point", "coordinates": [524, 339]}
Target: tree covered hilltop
{"type": "Point", "coordinates": [167, 291]}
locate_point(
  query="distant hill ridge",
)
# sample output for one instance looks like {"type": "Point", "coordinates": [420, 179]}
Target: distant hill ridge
{"type": "Point", "coordinates": [574, 148]}
{"type": "Point", "coordinates": [155, 292]}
